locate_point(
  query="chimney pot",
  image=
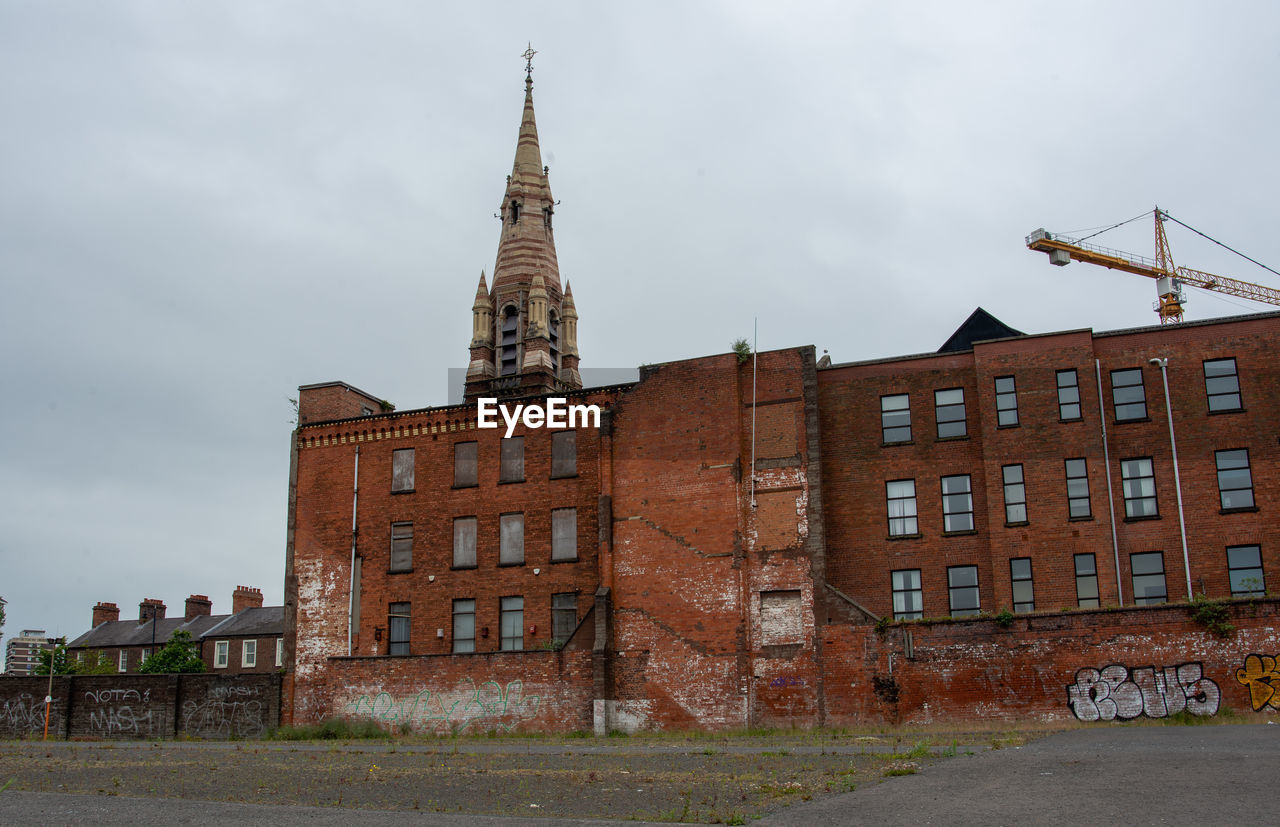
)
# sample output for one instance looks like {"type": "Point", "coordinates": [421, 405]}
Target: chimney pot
{"type": "Point", "coordinates": [105, 612]}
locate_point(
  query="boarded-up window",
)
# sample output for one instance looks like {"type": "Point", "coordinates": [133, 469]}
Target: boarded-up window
{"type": "Point", "coordinates": [780, 618]}
{"type": "Point", "coordinates": [564, 454]}
{"type": "Point", "coordinates": [512, 467]}
{"type": "Point", "coordinates": [401, 546]}
{"type": "Point", "coordinates": [464, 465]}
{"type": "Point", "coordinates": [402, 469]}
{"type": "Point", "coordinates": [564, 534]}
{"type": "Point", "coordinates": [464, 543]}
{"type": "Point", "coordinates": [511, 545]}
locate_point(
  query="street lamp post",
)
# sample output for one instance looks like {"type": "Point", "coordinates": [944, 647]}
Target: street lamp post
{"type": "Point", "coordinates": [1163, 364]}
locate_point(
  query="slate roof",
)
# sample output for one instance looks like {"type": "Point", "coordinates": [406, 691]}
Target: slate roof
{"type": "Point", "coordinates": [111, 634]}
{"type": "Point", "coordinates": [981, 326]}
{"type": "Point", "coordinates": [260, 622]}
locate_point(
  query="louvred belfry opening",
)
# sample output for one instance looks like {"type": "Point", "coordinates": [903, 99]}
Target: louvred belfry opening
{"type": "Point", "coordinates": [524, 327]}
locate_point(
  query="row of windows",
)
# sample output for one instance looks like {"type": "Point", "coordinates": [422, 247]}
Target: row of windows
{"type": "Point", "coordinates": [221, 655]}
{"type": "Point", "coordinates": [1128, 396]}
{"type": "Point", "coordinates": [564, 540]}
{"type": "Point", "coordinates": [1138, 487]}
{"type": "Point", "coordinates": [1244, 570]}
{"type": "Point", "coordinates": [466, 470]}
{"type": "Point", "coordinates": [564, 619]}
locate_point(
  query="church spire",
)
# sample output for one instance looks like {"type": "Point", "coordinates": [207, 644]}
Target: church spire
{"type": "Point", "coordinates": [525, 307]}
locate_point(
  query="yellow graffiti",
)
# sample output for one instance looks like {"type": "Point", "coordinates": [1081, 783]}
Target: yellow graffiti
{"type": "Point", "coordinates": [1260, 674]}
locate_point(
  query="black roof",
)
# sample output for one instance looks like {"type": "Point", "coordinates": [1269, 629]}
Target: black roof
{"type": "Point", "coordinates": [979, 327]}
{"type": "Point", "coordinates": [253, 622]}
{"type": "Point", "coordinates": [259, 622]}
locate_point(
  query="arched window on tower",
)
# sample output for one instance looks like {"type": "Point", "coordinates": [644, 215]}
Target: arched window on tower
{"type": "Point", "coordinates": [546, 217]}
{"type": "Point", "coordinates": [553, 326]}
{"type": "Point", "coordinates": [508, 356]}
{"type": "Point", "coordinates": [514, 211]}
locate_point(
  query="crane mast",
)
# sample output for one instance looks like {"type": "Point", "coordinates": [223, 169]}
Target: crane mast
{"type": "Point", "coordinates": [1062, 250]}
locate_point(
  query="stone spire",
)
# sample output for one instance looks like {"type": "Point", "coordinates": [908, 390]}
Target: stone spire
{"type": "Point", "coordinates": [521, 355]}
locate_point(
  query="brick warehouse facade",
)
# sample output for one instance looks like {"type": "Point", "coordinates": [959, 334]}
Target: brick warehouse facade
{"type": "Point", "coordinates": [772, 542]}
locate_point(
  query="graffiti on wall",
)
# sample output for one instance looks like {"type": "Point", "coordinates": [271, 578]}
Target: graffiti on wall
{"type": "Point", "coordinates": [120, 712]}
{"type": "Point", "coordinates": [488, 705]}
{"type": "Point", "coordinates": [1261, 677]}
{"type": "Point", "coordinates": [228, 711]}
{"type": "Point", "coordinates": [1118, 693]}
{"type": "Point", "coordinates": [24, 713]}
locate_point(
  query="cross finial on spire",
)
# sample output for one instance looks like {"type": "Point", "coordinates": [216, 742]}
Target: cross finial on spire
{"type": "Point", "coordinates": [528, 60]}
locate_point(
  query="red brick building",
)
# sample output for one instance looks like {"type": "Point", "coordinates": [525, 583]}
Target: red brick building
{"type": "Point", "coordinates": [731, 543]}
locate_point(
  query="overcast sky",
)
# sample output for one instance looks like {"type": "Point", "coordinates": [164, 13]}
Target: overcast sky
{"type": "Point", "coordinates": [205, 205]}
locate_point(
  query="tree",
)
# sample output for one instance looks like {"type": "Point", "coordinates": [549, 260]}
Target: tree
{"type": "Point", "coordinates": [62, 665]}
{"type": "Point", "coordinates": [180, 654]}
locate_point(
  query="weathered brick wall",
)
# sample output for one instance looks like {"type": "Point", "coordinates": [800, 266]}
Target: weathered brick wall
{"type": "Point", "coordinates": [1091, 665]}
{"type": "Point", "coordinates": [541, 691]}
{"type": "Point", "coordinates": [142, 706]}
{"type": "Point", "coordinates": [333, 400]}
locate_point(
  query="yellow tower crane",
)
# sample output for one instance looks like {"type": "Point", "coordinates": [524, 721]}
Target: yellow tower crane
{"type": "Point", "coordinates": [1063, 249]}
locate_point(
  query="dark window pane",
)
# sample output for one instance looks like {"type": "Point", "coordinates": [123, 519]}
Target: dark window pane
{"type": "Point", "coordinates": [401, 546]}
{"type": "Point", "coordinates": [465, 470]}
{"type": "Point", "coordinates": [512, 462]}
{"type": "Point", "coordinates": [564, 454]}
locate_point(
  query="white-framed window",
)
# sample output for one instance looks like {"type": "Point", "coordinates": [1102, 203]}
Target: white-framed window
{"type": "Point", "coordinates": [221, 654]}
{"type": "Point", "coordinates": [124, 660]}
{"type": "Point", "coordinates": [146, 655]}
{"type": "Point", "coordinates": [279, 651]}
{"type": "Point", "coordinates": [249, 654]}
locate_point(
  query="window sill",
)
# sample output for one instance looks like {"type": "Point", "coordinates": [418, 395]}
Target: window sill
{"type": "Point", "coordinates": [1087, 518]}
{"type": "Point", "coordinates": [1007, 427]}
{"type": "Point", "coordinates": [572, 476]}
{"type": "Point", "coordinates": [1226, 411]}
{"type": "Point", "coordinates": [1142, 519]}
{"type": "Point", "coordinates": [564, 560]}
{"type": "Point", "coordinates": [1131, 421]}
{"type": "Point", "coordinates": [400, 571]}
{"type": "Point", "coordinates": [915, 536]}
{"type": "Point", "coordinates": [457, 487]}
{"type": "Point", "coordinates": [1248, 509]}
{"type": "Point", "coordinates": [960, 438]}
{"type": "Point", "coordinates": [965, 533]}
{"type": "Point", "coordinates": [897, 443]}
{"type": "Point", "coordinates": [510, 482]}
{"type": "Point", "coordinates": [1017, 524]}
{"type": "Point", "coordinates": [471, 567]}
{"type": "Point", "coordinates": [403, 491]}
{"type": "Point", "coordinates": [510, 565]}
{"type": "Point", "coordinates": [1062, 421]}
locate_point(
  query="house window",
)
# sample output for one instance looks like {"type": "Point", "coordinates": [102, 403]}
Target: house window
{"type": "Point", "coordinates": [123, 665]}
{"type": "Point", "coordinates": [221, 652]}
{"type": "Point", "coordinates": [511, 541]}
{"type": "Point", "coordinates": [564, 454]}
{"type": "Point", "coordinates": [512, 624]}
{"type": "Point", "coordinates": [564, 534]}
{"type": "Point", "coordinates": [1235, 483]}
{"type": "Point", "coordinates": [1244, 567]}
{"type": "Point", "coordinates": [464, 542]}
{"type": "Point", "coordinates": [564, 616]}
{"type": "Point", "coordinates": [1078, 507]}
{"type": "Point", "coordinates": [895, 418]}
{"type": "Point", "coordinates": [957, 504]}
{"type": "Point", "coordinates": [512, 463]}
{"type": "Point", "coordinates": [146, 653]}
{"type": "Point", "coordinates": [1024, 595]}
{"type": "Point", "coordinates": [908, 602]}
{"type": "Point", "coordinates": [1006, 402]}
{"type": "Point", "coordinates": [1015, 495]}
{"type": "Point", "coordinates": [1086, 581]}
{"type": "Point", "coordinates": [962, 587]}
{"type": "Point", "coordinates": [464, 626]}
{"type": "Point", "coordinates": [1068, 395]}
{"type": "Point", "coordinates": [398, 621]}
{"type": "Point", "coordinates": [949, 411]}
{"type": "Point", "coordinates": [1148, 577]}
{"type": "Point", "coordinates": [401, 546]}
{"type": "Point", "coordinates": [1222, 385]}
{"type": "Point", "coordinates": [1128, 394]}
{"type": "Point", "coordinates": [279, 651]}
{"type": "Point", "coordinates": [402, 470]}
{"type": "Point", "coordinates": [1139, 486]}
{"type": "Point", "coordinates": [249, 654]}
{"type": "Point", "coordinates": [465, 464]}
{"type": "Point", "coordinates": [901, 498]}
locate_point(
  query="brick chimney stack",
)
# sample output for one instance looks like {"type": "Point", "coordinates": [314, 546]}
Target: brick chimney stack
{"type": "Point", "coordinates": [198, 605]}
{"type": "Point", "coordinates": [151, 608]}
{"type": "Point", "coordinates": [245, 598]}
{"type": "Point", "coordinates": [104, 612]}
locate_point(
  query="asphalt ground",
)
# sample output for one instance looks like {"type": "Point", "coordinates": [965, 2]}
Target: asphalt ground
{"type": "Point", "coordinates": [1134, 774]}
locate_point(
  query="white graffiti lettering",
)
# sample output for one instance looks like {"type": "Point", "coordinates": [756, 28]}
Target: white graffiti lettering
{"type": "Point", "coordinates": [488, 706]}
{"type": "Point", "coordinates": [1118, 693]}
